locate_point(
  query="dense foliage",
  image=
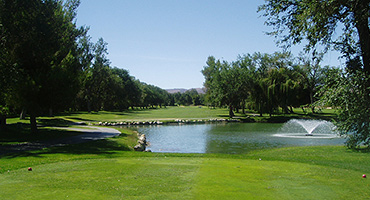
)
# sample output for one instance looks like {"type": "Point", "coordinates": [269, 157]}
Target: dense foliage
{"type": "Point", "coordinates": [38, 40]}
{"type": "Point", "coordinates": [189, 97]}
{"type": "Point", "coordinates": [262, 82]}
{"type": "Point", "coordinates": [344, 26]}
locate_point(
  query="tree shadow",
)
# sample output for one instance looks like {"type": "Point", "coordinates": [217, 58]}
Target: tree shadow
{"type": "Point", "coordinates": [58, 122]}
{"type": "Point", "coordinates": [97, 147]}
{"type": "Point", "coordinates": [21, 132]}
{"type": "Point", "coordinates": [103, 147]}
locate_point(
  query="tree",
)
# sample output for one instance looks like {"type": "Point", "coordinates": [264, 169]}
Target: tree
{"type": "Point", "coordinates": [6, 77]}
{"type": "Point", "coordinates": [211, 73]}
{"type": "Point", "coordinates": [153, 96]}
{"type": "Point", "coordinates": [318, 22]}
{"type": "Point", "coordinates": [219, 81]}
{"type": "Point", "coordinates": [98, 78]}
{"type": "Point", "coordinates": [40, 40]}
{"type": "Point", "coordinates": [313, 75]}
{"type": "Point", "coordinates": [247, 78]}
{"type": "Point", "coordinates": [85, 55]}
{"type": "Point", "coordinates": [348, 91]}
{"type": "Point", "coordinates": [224, 83]}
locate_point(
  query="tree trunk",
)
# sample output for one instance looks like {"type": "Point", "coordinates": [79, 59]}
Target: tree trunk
{"type": "Point", "coordinates": [260, 109]}
{"type": "Point", "coordinates": [88, 106]}
{"type": "Point", "coordinates": [51, 112]}
{"type": "Point", "coordinates": [2, 122]}
{"type": "Point", "coordinates": [311, 100]}
{"type": "Point", "coordinates": [313, 109]}
{"type": "Point", "coordinates": [33, 123]}
{"type": "Point", "coordinates": [231, 113]}
{"type": "Point", "coordinates": [243, 106]}
{"type": "Point", "coordinates": [362, 25]}
{"type": "Point", "coordinates": [285, 109]}
{"type": "Point", "coordinates": [23, 114]}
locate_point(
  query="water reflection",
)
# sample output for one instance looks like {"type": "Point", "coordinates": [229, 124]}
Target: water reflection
{"type": "Point", "coordinates": [222, 138]}
{"type": "Point", "coordinates": [176, 138]}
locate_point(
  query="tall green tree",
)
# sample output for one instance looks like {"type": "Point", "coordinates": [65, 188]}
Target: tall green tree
{"type": "Point", "coordinates": [99, 78]}
{"type": "Point", "coordinates": [224, 83]}
{"type": "Point", "coordinates": [6, 77]}
{"type": "Point", "coordinates": [247, 78]}
{"type": "Point", "coordinates": [40, 38]}
{"type": "Point", "coordinates": [85, 56]}
{"type": "Point", "coordinates": [313, 74]}
{"type": "Point", "coordinates": [211, 73]}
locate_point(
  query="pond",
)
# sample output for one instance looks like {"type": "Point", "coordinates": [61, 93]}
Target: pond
{"type": "Point", "coordinates": [231, 138]}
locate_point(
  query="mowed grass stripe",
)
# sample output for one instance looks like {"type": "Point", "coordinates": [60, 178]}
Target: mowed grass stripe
{"type": "Point", "coordinates": [131, 178]}
{"type": "Point", "coordinates": [182, 178]}
{"type": "Point", "coordinates": [255, 179]}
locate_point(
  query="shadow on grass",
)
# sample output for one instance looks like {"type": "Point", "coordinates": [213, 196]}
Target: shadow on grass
{"type": "Point", "coordinates": [21, 132]}
{"type": "Point", "coordinates": [104, 147]}
{"type": "Point", "coordinates": [55, 122]}
{"type": "Point", "coordinates": [98, 147]}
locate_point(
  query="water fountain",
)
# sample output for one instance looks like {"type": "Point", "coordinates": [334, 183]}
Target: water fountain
{"type": "Point", "coordinates": [302, 128]}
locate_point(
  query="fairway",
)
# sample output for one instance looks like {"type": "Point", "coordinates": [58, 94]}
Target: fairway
{"type": "Point", "coordinates": [168, 113]}
{"type": "Point", "coordinates": [171, 113]}
{"type": "Point", "coordinates": [109, 169]}
{"type": "Point", "coordinates": [287, 173]}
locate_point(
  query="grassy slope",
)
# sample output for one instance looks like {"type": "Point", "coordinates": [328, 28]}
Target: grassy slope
{"type": "Point", "coordinates": [107, 169]}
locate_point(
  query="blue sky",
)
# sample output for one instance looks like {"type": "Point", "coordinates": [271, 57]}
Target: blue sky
{"type": "Point", "coordinates": [167, 42]}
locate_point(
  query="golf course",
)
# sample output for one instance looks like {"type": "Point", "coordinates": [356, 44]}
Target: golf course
{"type": "Point", "coordinates": [110, 169]}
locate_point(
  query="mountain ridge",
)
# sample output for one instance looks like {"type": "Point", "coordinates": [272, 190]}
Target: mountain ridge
{"type": "Point", "coordinates": [183, 90]}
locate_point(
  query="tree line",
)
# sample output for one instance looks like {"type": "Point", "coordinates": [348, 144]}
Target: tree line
{"type": "Point", "coordinates": [48, 64]}
{"type": "Point", "coordinates": [265, 82]}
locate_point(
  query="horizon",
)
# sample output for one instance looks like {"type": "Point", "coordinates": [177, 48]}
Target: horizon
{"type": "Point", "coordinates": [167, 44]}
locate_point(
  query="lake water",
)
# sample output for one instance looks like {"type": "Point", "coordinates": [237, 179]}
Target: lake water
{"type": "Point", "coordinates": [229, 138]}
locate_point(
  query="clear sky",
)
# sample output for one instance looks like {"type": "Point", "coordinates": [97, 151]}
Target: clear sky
{"type": "Point", "coordinates": [167, 42]}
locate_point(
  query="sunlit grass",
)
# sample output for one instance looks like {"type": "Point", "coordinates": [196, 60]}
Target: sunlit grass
{"type": "Point", "coordinates": [108, 171]}
{"type": "Point", "coordinates": [171, 113]}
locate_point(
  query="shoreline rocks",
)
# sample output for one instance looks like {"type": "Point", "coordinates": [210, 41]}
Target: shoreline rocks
{"type": "Point", "coordinates": [176, 121]}
{"type": "Point", "coordinates": [142, 143]}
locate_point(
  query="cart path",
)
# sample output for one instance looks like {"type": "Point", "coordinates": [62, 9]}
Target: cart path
{"type": "Point", "coordinates": [89, 133]}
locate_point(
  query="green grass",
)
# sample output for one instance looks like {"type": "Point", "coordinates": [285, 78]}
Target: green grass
{"type": "Point", "coordinates": [110, 169]}
{"type": "Point", "coordinates": [169, 113]}
{"type": "Point", "coordinates": [189, 112]}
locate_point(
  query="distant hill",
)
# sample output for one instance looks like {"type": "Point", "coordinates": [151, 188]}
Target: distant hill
{"type": "Point", "coordinates": [182, 90]}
